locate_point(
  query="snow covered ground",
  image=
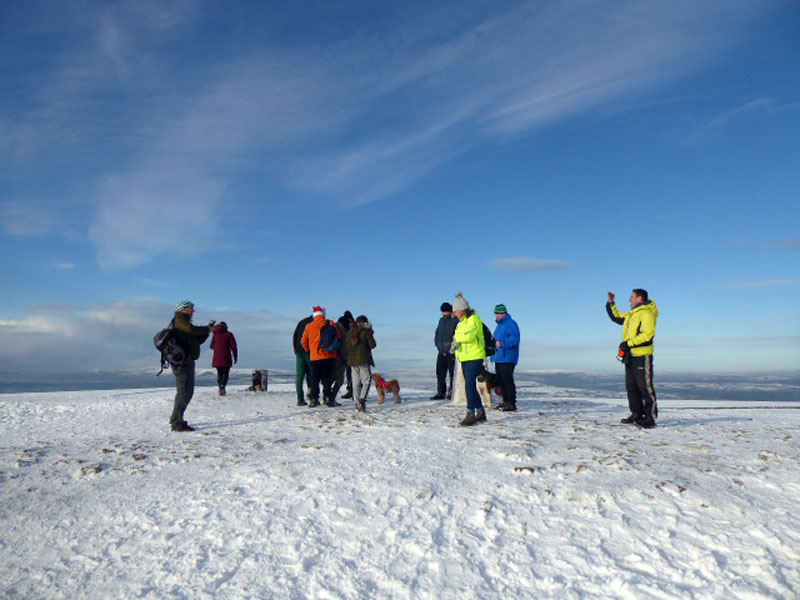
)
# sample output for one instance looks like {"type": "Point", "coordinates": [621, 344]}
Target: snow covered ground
{"type": "Point", "coordinates": [98, 499]}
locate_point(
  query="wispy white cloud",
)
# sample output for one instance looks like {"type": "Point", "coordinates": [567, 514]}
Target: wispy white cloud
{"type": "Point", "coordinates": [789, 244]}
{"type": "Point", "coordinates": [523, 264]}
{"type": "Point", "coordinates": [760, 284]}
{"type": "Point", "coordinates": [704, 131]}
{"type": "Point", "coordinates": [153, 213]}
{"type": "Point", "coordinates": [29, 218]}
{"type": "Point", "coordinates": [354, 119]}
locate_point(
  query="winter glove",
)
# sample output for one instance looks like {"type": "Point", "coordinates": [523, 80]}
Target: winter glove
{"type": "Point", "coordinates": [624, 355]}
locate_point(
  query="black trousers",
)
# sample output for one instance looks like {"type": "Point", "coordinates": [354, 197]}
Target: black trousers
{"type": "Point", "coordinates": [222, 376]}
{"type": "Point", "coordinates": [639, 385]}
{"type": "Point", "coordinates": [322, 371]}
{"type": "Point", "coordinates": [445, 363]}
{"type": "Point", "coordinates": [184, 384]}
{"type": "Point", "coordinates": [505, 373]}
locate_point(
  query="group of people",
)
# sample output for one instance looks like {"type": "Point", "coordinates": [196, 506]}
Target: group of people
{"type": "Point", "coordinates": [461, 336]}
{"type": "Point", "coordinates": [330, 353]}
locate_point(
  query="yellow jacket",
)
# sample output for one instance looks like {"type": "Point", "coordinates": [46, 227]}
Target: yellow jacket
{"type": "Point", "coordinates": [469, 339]}
{"type": "Point", "coordinates": [638, 326]}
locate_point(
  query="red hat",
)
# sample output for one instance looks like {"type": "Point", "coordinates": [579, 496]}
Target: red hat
{"type": "Point", "coordinates": [318, 310]}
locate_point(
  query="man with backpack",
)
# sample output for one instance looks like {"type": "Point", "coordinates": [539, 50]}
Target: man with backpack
{"type": "Point", "coordinates": [321, 338]}
{"type": "Point", "coordinates": [190, 338]}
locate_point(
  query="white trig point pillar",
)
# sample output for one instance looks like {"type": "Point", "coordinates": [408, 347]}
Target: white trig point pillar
{"type": "Point", "coordinates": [264, 373]}
{"type": "Point", "coordinates": [459, 388]}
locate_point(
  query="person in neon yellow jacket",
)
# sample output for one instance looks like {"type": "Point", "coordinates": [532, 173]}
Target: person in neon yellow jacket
{"type": "Point", "coordinates": [470, 352]}
{"type": "Point", "coordinates": [636, 352]}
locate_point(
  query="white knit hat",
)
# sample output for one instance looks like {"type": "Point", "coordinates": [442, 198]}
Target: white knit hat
{"type": "Point", "coordinates": [460, 303]}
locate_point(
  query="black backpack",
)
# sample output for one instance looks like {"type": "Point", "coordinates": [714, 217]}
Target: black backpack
{"type": "Point", "coordinates": [329, 337]}
{"type": "Point", "coordinates": [488, 341]}
{"type": "Point", "coordinates": [173, 353]}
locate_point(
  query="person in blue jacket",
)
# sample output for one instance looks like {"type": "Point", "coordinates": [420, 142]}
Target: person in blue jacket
{"type": "Point", "coordinates": [506, 356]}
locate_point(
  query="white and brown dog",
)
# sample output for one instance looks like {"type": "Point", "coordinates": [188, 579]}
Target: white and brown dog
{"type": "Point", "coordinates": [384, 386]}
{"type": "Point", "coordinates": [487, 383]}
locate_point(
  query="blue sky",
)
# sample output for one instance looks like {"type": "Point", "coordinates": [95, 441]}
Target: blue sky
{"type": "Point", "coordinates": [259, 158]}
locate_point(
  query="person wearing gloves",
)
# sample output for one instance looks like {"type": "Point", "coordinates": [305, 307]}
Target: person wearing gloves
{"type": "Point", "coordinates": [470, 351]}
{"type": "Point", "coordinates": [190, 337]}
{"type": "Point", "coordinates": [636, 352]}
{"type": "Point", "coordinates": [506, 356]}
{"type": "Point", "coordinates": [226, 354]}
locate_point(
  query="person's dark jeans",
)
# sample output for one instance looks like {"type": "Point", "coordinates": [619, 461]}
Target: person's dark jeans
{"type": "Point", "coordinates": [471, 369]}
{"type": "Point", "coordinates": [322, 371]}
{"type": "Point", "coordinates": [184, 384]}
{"type": "Point", "coordinates": [505, 373]}
{"type": "Point", "coordinates": [445, 363]}
{"type": "Point", "coordinates": [222, 376]}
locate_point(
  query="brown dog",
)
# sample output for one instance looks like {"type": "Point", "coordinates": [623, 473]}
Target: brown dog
{"type": "Point", "coordinates": [383, 386]}
{"type": "Point", "coordinates": [487, 383]}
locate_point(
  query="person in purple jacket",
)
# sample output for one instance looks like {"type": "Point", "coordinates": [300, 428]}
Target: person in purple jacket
{"type": "Point", "coordinates": [226, 354]}
{"type": "Point", "coordinates": [506, 356]}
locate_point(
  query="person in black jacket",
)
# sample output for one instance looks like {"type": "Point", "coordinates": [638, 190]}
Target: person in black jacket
{"type": "Point", "coordinates": [343, 368]}
{"type": "Point", "coordinates": [191, 337]}
{"type": "Point", "coordinates": [303, 360]}
{"type": "Point", "coordinates": [446, 361]}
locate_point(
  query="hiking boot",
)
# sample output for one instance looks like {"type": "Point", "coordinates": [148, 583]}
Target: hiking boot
{"type": "Point", "coordinates": [331, 403]}
{"type": "Point", "coordinates": [480, 416]}
{"type": "Point", "coordinates": [182, 427]}
{"type": "Point", "coordinates": [469, 420]}
{"type": "Point", "coordinates": [362, 406]}
{"type": "Point", "coordinates": [437, 397]}
{"type": "Point", "coordinates": [645, 423]}
{"type": "Point", "coordinates": [347, 396]}
{"type": "Point", "coordinates": [508, 407]}
{"type": "Point", "coordinates": [313, 403]}
{"type": "Point", "coordinates": [301, 402]}
{"type": "Point", "coordinates": [632, 418]}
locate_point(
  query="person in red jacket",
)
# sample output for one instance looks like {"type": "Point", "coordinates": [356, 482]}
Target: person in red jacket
{"type": "Point", "coordinates": [323, 362]}
{"type": "Point", "coordinates": [226, 354]}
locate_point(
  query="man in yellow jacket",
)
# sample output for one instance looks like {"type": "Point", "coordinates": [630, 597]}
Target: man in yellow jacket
{"type": "Point", "coordinates": [636, 352]}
